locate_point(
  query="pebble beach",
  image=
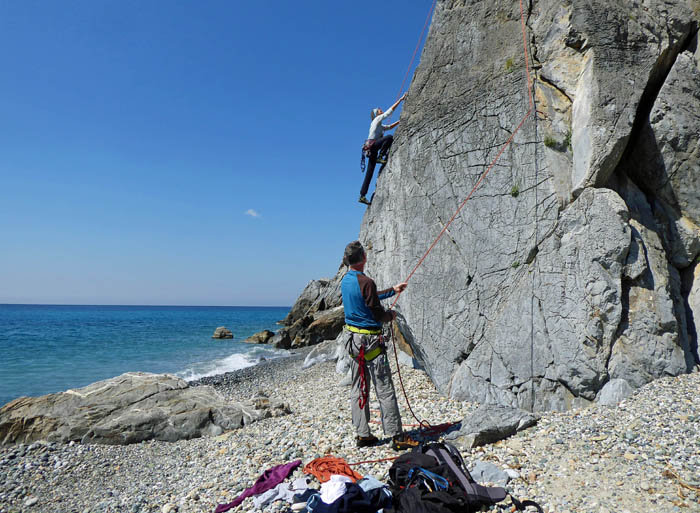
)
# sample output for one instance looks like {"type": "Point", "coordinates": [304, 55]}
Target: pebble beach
{"type": "Point", "coordinates": [641, 455]}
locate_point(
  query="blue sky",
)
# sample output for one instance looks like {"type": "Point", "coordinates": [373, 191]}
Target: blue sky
{"type": "Point", "coordinates": [181, 152]}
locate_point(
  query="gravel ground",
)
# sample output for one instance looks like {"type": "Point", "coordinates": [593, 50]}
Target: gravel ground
{"type": "Point", "coordinates": [643, 455]}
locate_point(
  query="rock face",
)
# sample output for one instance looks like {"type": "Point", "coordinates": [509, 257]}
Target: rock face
{"type": "Point", "coordinates": [222, 332]}
{"type": "Point", "coordinates": [575, 262]}
{"type": "Point", "coordinates": [128, 409]}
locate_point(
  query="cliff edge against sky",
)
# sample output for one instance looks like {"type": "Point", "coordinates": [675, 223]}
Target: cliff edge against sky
{"type": "Point", "coordinates": [574, 266]}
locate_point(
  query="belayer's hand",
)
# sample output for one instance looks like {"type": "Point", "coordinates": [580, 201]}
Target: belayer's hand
{"type": "Point", "coordinates": [400, 287]}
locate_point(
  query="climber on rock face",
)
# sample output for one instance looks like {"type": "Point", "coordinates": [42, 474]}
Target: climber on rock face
{"type": "Point", "coordinates": [377, 145]}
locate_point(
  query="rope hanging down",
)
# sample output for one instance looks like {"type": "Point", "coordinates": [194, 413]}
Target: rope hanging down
{"type": "Point", "coordinates": [415, 51]}
{"type": "Point", "coordinates": [425, 426]}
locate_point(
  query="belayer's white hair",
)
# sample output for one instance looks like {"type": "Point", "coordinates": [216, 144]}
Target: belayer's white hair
{"type": "Point", "coordinates": [374, 113]}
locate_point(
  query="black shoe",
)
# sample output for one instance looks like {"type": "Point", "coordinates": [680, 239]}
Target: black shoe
{"type": "Point", "coordinates": [367, 441]}
{"type": "Point", "coordinates": [364, 200]}
{"type": "Point", "coordinates": [402, 442]}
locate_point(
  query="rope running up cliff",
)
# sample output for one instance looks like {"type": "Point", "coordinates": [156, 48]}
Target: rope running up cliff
{"type": "Point", "coordinates": [530, 112]}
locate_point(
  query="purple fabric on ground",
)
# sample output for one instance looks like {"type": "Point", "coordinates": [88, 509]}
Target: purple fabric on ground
{"type": "Point", "coordinates": [268, 480]}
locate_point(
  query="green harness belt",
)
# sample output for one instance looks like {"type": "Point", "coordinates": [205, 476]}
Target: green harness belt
{"type": "Point", "coordinates": [371, 355]}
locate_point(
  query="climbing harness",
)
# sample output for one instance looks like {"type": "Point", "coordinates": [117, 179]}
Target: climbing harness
{"type": "Point", "coordinates": [362, 331]}
{"type": "Point", "coordinates": [366, 152]}
{"type": "Point", "coordinates": [363, 356]}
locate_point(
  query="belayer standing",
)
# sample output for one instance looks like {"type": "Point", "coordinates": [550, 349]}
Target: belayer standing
{"type": "Point", "coordinates": [377, 145]}
{"type": "Point", "coordinates": [364, 315]}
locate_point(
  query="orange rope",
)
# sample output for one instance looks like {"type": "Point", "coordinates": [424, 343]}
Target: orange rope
{"type": "Point", "coordinates": [493, 163]}
{"type": "Point", "coordinates": [424, 425]}
{"type": "Point", "coordinates": [325, 467]}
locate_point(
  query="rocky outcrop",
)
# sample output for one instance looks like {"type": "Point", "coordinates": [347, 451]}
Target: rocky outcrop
{"type": "Point", "coordinates": [326, 326]}
{"type": "Point", "coordinates": [128, 409]}
{"type": "Point", "coordinates": [311, 329]}
{"type": "Point", "coordinates": [574, 263]}
{"type": "Point", "coordinates": [318, 295]}
{"type": "Point", "coordinates": [222, 332]}
{"type": "Point", "coordinates": [262, 337]}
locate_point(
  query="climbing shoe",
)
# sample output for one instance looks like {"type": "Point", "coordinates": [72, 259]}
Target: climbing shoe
{"type": "Point", "coordinates": [364, 200]}
{"type": "Point", "coordinates": [402, 442]}
{"type": "Point", "coordinates": [381, 159]}
{"type": "Point", "coordinates": [367, 441]}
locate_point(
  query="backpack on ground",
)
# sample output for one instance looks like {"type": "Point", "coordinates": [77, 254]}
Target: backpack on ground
{"type": "Point", "coordinates": [433, 478]}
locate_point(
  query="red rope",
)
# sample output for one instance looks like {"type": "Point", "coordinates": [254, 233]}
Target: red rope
{"type": "Point", "coordinates": [424, 425]}
{"type": "Point", "coordinates": [364, 383]}
{"type": "Point", "coordinates": [488, 170]}
{"type": "Point", "coordinates": [420, 38]}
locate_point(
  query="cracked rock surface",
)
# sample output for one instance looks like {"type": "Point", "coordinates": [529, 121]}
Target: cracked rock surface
{"type": "Point", "coordinates": [575, 262]}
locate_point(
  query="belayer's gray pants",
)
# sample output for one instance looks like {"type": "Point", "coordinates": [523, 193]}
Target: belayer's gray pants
{"type": "Point", "coordinates": [379, 373]}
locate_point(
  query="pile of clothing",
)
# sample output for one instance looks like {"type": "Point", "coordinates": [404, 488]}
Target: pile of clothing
{"type": "Point", "coordinates": [342, 489]}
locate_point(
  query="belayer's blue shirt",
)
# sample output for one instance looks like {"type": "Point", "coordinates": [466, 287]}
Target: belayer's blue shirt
{"type": "Point", "coordinates": [362, 302]}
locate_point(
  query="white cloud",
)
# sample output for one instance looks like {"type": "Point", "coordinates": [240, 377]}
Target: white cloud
{"type": "Point", "coordinates": [252, 213]}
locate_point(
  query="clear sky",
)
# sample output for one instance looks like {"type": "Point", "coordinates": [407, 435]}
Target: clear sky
{"type": "Point", "coordinates": [187, 152]}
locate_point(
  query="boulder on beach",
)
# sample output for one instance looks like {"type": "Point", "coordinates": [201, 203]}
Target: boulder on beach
{"type": "Point", "coordinates": [490, 423]}
{"type": "Point", "coordinates": [130, 408]}
{"type": "Point", "coordinates": [222, 332]}
{"type": "Point", "coordinates": [262, 337]}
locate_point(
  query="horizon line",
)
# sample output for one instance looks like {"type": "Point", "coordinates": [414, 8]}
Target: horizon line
{"type": "Point", "coordinates": [115, 304]}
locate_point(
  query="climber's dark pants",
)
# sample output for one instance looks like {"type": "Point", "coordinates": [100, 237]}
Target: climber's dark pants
{"type": "Point", "coordinates": [382, 146]}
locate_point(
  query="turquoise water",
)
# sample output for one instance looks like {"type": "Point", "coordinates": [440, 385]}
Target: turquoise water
{"type": "Point", "coordinates": [50, 348]}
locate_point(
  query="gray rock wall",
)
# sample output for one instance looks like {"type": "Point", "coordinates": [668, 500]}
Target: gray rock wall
{"type": "Point", "coordinates": [575, 261]}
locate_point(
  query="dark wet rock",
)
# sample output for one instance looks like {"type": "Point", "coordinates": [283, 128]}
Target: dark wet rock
{"type": "Point", "coordinates": [281, 339]}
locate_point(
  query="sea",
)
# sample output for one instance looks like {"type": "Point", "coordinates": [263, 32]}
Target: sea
{"type": "Point", "coordinates": [51, 348]}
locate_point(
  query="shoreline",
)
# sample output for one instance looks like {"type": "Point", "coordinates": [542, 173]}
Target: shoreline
{"type": "Point", "coordinates": [246, 378]}
{"type": "Point", "coordinates": [601, 459]}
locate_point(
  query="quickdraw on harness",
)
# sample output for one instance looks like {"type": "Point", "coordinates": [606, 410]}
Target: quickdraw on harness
{"type": "Point", "coordinates": [366, 152]}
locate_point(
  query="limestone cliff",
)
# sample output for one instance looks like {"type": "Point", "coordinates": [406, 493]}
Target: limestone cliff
{"type": "Point", "coordinates": [575, 262]}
